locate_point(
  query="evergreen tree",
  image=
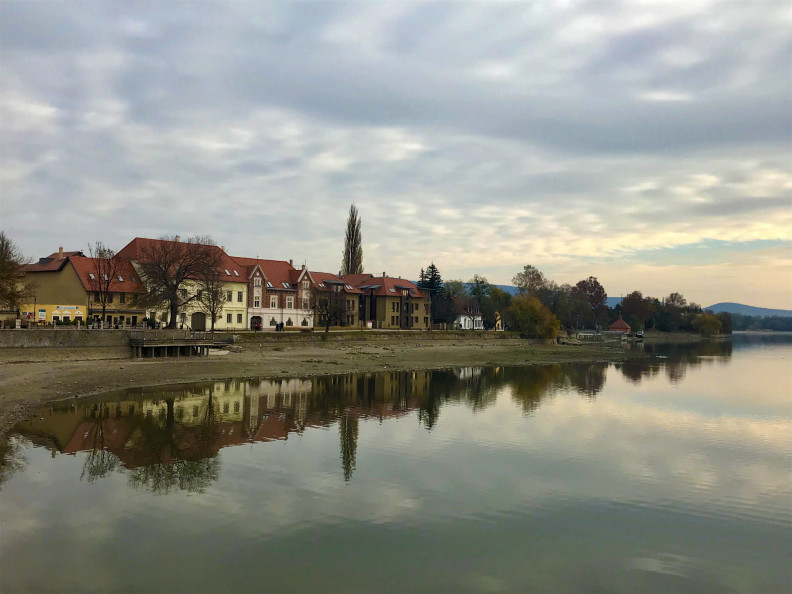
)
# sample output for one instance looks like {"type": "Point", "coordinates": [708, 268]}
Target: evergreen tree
{"type": "Point", "coordinates": [352, 262]}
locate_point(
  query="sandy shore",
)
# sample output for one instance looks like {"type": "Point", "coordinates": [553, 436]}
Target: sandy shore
{"type": "Point", "coordinates": [31, 376]}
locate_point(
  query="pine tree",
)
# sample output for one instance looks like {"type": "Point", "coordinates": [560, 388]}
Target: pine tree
{"type": "Point", "coordinates": [352, 262]}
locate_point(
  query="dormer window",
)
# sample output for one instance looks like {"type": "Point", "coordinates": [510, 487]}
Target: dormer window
{"type": "Point", "coordinates": [286, 285]}
{"type": "Point", "coordinates": [392, 290]}
{"type": "Point", "coordinates": [257, 282]}
{"type": "Point", "coordinates": [226, 271]}
{"type": "Point", "coordinates": [269, 285]}
{"type": "Point", "coordinates": [348, 287]}
{"type": "Point", "coordinates": [321, 285]}
{"type": "Point", "coordinates": [236, 273]}
{"type": "Point", "coordinates": [120, 278]}
{"type": "Point", "coordinates": [91, 276]}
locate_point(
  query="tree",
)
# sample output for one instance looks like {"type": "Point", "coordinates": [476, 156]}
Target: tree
{"type": "Point", "coordinates": [531, 281]}
{"type": "Point", "coordinates": [348, 434]}
{"type": "Point", "coordinates": [528, 316]}
{"type": "Point", "coordinates": [636, 309]}
{"type": "Point", "coordinates": [167, 264]}
{"type": "Point", "coordinates": [726, 322]}
{"type": "Point", "coordinates": [479, 290]}
{"type": "Point", "coordinates": [593, 294]}
{"type": "Point", "coordinates": [352, 262]}
{"type": "Point", "coordinates": [105, 266]}
{"type": "Point", "coordinates": [707, 324]}
{"type": "Point", "coordinates": [500, 301]}
{"type": "Point", "coordinates": [329, 306]}
{"type": "Point", "coordinates": [14, 289]}
{"type": "Point", "coordinates": [212, 295]}
{"type": "Point", "coordinates": [431, 281]}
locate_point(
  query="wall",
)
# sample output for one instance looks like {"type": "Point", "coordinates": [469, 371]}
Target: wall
{"type": "Point", "coordinates": [64, 338]}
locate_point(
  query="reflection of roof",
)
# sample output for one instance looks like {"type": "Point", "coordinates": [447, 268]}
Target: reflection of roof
{"type": "Point", "coordinates": [126, 280]}
{"type": "Point", "coordinates": [276, 272]}
{"type": "Point", "coordinates": [383, 285]}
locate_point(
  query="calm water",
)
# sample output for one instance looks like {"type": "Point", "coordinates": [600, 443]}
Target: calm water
{"type": "Point", "coordinates": [670, 477]}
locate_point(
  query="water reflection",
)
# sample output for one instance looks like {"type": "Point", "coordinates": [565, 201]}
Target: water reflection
{"type": "Point", "coordinates": [168, 439]}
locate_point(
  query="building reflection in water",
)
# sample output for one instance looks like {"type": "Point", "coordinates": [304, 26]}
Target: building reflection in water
{"type": "Point", "coordinates": [168, 438]}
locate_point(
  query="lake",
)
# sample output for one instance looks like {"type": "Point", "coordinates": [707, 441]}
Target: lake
{"type": "Point", "coordinates": [669, 476]}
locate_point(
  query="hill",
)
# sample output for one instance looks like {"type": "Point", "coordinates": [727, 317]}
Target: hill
{"type": "Point", "coordinates": [749, 310]}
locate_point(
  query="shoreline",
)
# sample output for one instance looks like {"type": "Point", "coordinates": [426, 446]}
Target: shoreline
{"type": "Point", "coordinates": [30, 377]}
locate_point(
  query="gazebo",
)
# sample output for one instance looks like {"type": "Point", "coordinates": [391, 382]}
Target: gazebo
{"type": "Point", "coordinates": [620, 326]}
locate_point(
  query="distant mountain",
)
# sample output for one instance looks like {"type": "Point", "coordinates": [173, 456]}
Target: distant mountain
{"type": "Point", "coordinates": [613, 301]}
{"type": "Point", "coordinates": [749, 310]}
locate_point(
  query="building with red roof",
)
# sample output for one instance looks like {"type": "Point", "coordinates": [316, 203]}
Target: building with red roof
{"type": "Point", "coordinates": [620, 326]}
{"type": "Point", "coordinates": [67, 289]}
{"type": "Point", "coordinates": [276, 294]}
{"type": "Point", "coordinates": [392, 303]}
{"type": "Point", "coordinates": [193, 311]}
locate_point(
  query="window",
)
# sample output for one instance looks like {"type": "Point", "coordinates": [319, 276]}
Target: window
{"type": "Point", "coordinates": [236, 273]}
{"type": "Point", "coordinates": [426, 322]}
{"type": "Point", "coordinates": [415, 319]}
{"type": "Point", "coordinates": [109, 297]}
{"type": "Point", "coordinates": [91, 276]}
{"type": "Point", "coordinates": [269, 285]}
{"type": "Point", "coordinates": [273, 301]}
{"type": "Point", "coordinates": [257, 301]}
{"type": "Point", "coordinates": [228, 318]}
{"type": "Point", "coordinates": [348, 287]}
{"type": "Point", "coordinates": [120, 278]}
{"type": "Point", "coordinates": [199, 295]}
{"type": "Point", "coordinates": [105, 277]}
{"type": "Point", "coordinates": [306, 285]}
{"type": "Point", "coordinates": [257, 282]}
{"type": "Point", "coordinates": [183, 293]}
{"type": "Point", "coordinates": [239, 296]}
{"type": "Point", "coordinates": [286, 285]}
{"type": "Point", "coordinates": [289, 302]}
{"type": "Point", "coordinates": [305, 304]}
{"type": "Point", "coordinates": [236, 406]}
{"type": "Point", "coordinates": [289, 322]}
{"type": "Point", "coordinates": [392, 290]}
{"type": "Point", "coordinates": [96, 297]}
{"type": "Point", "coordinates": [226, 271]}
{"type": "Point", "coordinates": [229, 295]}
{"type": "Point", "coordinates": [273, 322]}
{"type": "Point", "coordinates": [304, 322]}
{"type": "Point", "coordinates": [393, 306]}
{"type": "Point", "coordinates": [239, 318]}
{"type": "Point", "coordinates": [321, 285]}
{"type": "Point", "coordinates": [122, 297]}
{"type": "Point", "coordinates": [225, 407]}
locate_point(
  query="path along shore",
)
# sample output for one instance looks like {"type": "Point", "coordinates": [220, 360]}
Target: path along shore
{"type": "Point", "coordinates": [31, 376]}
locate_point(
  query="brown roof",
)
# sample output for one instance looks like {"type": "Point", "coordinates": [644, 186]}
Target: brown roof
{"type": "Point", "coordinates": [126, 281]}
{"type": "Point", "coordinates": [51, 263]}
{"type": "Point", "coordinates": [620, 325]}
{"type": "Point", "coordinates": [386, 286]}
{"type": "Point", "coordinates": [328, 279]}
{"type": "Point", "coordinates": [136, 249]}
{"type": "Point", "coordinates": [276, 272]}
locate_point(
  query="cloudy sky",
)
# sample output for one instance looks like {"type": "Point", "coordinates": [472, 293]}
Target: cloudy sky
{"type": "Point", "coordinates": [647, 143]}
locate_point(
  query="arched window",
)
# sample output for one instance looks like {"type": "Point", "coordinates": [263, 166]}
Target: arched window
{"type": "Point", "coordinates": [289, 322]}
{"type": "Point", "coordinates": [304, 322]}
{"type": "Point", "coordinates": [273, 322]}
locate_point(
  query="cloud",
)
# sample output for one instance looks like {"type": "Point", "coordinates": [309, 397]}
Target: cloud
{"type": "Point", "coordinates": [480, 136]}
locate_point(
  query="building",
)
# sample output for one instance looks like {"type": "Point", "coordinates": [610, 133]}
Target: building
{"type": "Point", "coordinates": [620, 326]}
{"type": "Point", "coordinates": [469, 322]}
{"type": "Point", "coordinates": [67, 289]}
{"type": "Point", "coordinates": [277, 294]}
{"type": "Point", "coordinates": [334, 297]}
{"type": "Point", "coordinates": [392, 303]}
{"type": "Point", "coordinates": [228, 277]}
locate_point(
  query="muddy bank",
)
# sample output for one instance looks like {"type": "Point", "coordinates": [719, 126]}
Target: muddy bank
{"type": "Point", "coordinates": [31, 376]}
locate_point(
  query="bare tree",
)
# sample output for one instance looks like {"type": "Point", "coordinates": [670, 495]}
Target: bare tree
{"type": "Point", "coordinates": [329, 307]}
{"type": "Point", "coordinates": [167, 264]}
{"type": "Point", "coordinates": [105, 267]}
{"type": "Point", "coordinates": [14, 288]}
{"type": "Point", "coordinates": [212, 289]}
{"type": "Point", "coordinates": [352, 262]}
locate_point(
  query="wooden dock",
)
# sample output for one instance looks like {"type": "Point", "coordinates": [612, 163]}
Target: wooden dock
{"type": "Point", "coordinates": [176, 343]}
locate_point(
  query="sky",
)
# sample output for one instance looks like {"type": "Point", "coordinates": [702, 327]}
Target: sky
{"type": "Point", "coordinates": [647, 143]}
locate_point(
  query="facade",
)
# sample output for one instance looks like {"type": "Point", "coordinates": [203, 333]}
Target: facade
{"type": "Point", "coordinates": [469, 322]}
{"type": "Point", "coordinates": [391, 303]}
{"type": "Point", "coordinates": [330, 294]}
{"type": "Point", "coordinates": [276, 294]}
{"type": "Point", "coordinates": [194, 314]}
{"type": "Point", "coordinates": [67, 291]}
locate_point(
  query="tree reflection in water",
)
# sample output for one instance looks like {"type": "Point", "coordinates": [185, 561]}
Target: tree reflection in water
{"type": "Point", "coordinates": [168, 439]}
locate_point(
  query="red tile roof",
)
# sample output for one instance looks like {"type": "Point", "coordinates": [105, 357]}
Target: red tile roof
{"type": "Point", "coordinates": [328, 279]}
{"type": "Point", "coordinates": [276, 272]}
{"type": "Point", "coordinates": [51, 263]}
{"type": "Point", "coordinates": [137, 248]}
{"type": "Point", "coordinates": [127, 280]}
{"type": "Point", "coordinates": [386, 286]}
{"type": "Point", "coordinates": [620, 325]}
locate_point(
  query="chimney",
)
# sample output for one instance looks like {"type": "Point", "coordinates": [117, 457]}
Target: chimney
{"type": "Point", "coordinates": [60, 253]}
{"type": "Point", "coordinates": [222, 248]}
{"type": "Point", "coordinates": [177, 238]}
{"type": "Point", "coordinates": [291, 263]}
{"type": "Point", "coordinates": [383, 274]}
